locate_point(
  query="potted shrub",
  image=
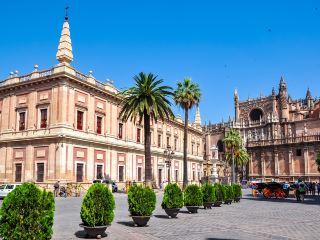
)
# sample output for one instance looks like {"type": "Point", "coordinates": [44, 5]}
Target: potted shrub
{"type": "Point", "coordinates": [193, 198]}
{"type": "Point", "coordinates": [220, 194]}
{"type": "Point", "coordinates": [172, 200]}
{"type": "Point", "coordinates": [209, 196]}
{"type": "Point", "coordinates": [27, 213]}
{"type": "Point", "coordinates": [229, 194]}
{"type": "Point", "coordinates": [142, 202]}
{"type": "Point", "coordinates": [237, 190]}
{"type": "Point", "coordinates": [97, 210]}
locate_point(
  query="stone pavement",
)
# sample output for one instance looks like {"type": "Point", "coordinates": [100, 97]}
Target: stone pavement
{"type": "Point", "coordinates": [250, 219]}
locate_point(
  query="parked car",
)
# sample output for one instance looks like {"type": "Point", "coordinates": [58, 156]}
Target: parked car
{"type": "Point", "coordinates": [5, 189]}
{"type": "Point", "coordinates": [106, 181]}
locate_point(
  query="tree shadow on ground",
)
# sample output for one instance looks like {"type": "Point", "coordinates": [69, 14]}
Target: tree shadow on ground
{"type": "Point", "coordinates": [126, 223]}
{"type": "Point", "coordinates": [221, 239]}
{"type": "Point", "coordinates": [184, 211]}
{"type": "Point", "coordinates": [82, 234]}
{"type": "Point", "coordinates": [161, 216]}
{"type": "Point", "coordinates": [311, 200]}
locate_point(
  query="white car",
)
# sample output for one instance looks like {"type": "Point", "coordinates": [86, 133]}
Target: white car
{"type": "Point", "coordinates": [5, 189]}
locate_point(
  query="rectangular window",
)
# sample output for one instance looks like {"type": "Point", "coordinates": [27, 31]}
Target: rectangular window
{"type": "Point", "coordinates": [22, 121]}
{"type": "Point", "coordinates": [298, 152]}
{"type": "Point", "coordinates": [139, 174]}
{"type": "Point", "coordinates": [99, 172]}
{"type": "Point", "coordinates": [121, 173]}
{"type": "Point", "coordinates": [192, 146]}
{"type": "Point", "coordinates": [175, 144]}
{"type": "Point", "coordinates": [197, 150]}
{"type": "Point", "coordinates": [120, 130]}
{"type": "Point", "coordinates": [159, 140]}
{"type": "Point", "coordinates": [40, 172]}
{"type": "Point", "coordinates": [18, 173]}
{"type": "Point", "coordinates": [193, 175]}
{"type": "Point", "coordinates": [176, 175]}
{"type": "Point", "coordinates": [79, 120]}
{"type": "Point", "coordinates": [79, 172]}
{"type": "Point", "coordinates": [43, 118]}
{"type": "Point", "coordinates": [138, 135]}
{"type": "Point", "coordinates": [168, 141]}
{"type": "Point", "coordinates": [99, 125]}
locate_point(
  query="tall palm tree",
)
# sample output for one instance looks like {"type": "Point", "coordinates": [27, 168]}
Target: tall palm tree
{"type": "Point", "coordinates": [241, 158]}
{"type": "Point", "coordinates": [147, 101]}
{"type": "Point", "coordinates": [233, 144]}
{"type": "Point", "coordinates": [187, 95]}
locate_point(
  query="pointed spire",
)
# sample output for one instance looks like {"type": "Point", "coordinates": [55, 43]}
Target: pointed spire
{"type": "Point", "coordinates": [197, 120]}
{"type": "Point", "coordinates": [308, 95]}
{"type": "Point", "coordinates": [273, 92]}
{"type": "Point", "coordinates": [64, 54]}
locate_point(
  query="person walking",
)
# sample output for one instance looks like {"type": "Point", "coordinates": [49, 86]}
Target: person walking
{"type": "Point", "coordinates": [313, 188]}
{"type": "Point", "coordinates": [56, 188]}
{"type": "Point", "coordinates": [301, 189]}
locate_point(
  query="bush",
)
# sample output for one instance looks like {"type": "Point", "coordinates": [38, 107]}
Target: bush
{"type": "Point", "coordinates": [27, 213]}
{"type": "Point", "coordinates": [220, 192]}
{"type": "Point", "coordinates": [97, 206]}
{"type": "Point", "coordinates": [237, 190]}
{"type": "Point", "coordinates": [193, 196]}
{"type": "Point", "coordinates": [229, 192]}
{"type": "Point", "coordinates": [141, 200]}
{"type": "Point", "coordinates": [173, 197]}
{"type": "Point", "coordinates": [208, 192]}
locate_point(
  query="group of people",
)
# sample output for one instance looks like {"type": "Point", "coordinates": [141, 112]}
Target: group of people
{"type": "Point", "coordinates": [59, 191]}
{"type": "Point", "coordinates": [302, 188]}
{"type": "Point", "coordinates": [312, 187]}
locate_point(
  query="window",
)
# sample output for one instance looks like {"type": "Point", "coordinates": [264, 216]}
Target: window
{"type": "Point", "coordinates": [120, 130]}
{"type": "Point", "coordinates": [18, 175]}
{"type": "Point", "coordinates": [79, 120]}
{"type": "Point", "coordinates": [43, 118]}
{"type": "Point", "coordinates": [22, 121]}
{"type": "Point", "coordinates": [168, 141]}
{"type": "Point", "coordinates": [99, 171]}
{"type": "Point", "coordinates": [175, 144]}
{"type": "Point", "coordinates": [193, 175]}
{"type": "Point", "coordinates": [79, 172]}
{"type": "Point", "coordinates": [40, 172]}
{"type": "Point", "coordinates": [159, 140]}
{"type": "Point", "coordinates": [192, 146]}
{"type": "Point", "coordinates": [138, 135]}
{"type": "Point", "coordinates": [99, 125]}
{"type": "Point", "coordinates": [199, 176]}
{"type": "Point", "coordinates": [121, 173]}
{"type": "Point", "coordinates": [139, 174]}
{"type": "Point", "coordinates": [197, 150]}
{"type": "Point", "coordinates": [299, 152]}
{"type": "Point", "coordinates": [176, 175]}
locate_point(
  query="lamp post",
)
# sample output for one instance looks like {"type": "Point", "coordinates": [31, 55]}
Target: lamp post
{"type": "Point", "coordinates": [169, 156]}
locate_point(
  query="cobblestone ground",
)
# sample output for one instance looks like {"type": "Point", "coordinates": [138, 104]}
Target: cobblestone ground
{"type": "Point", "coordinates": [250, 219]}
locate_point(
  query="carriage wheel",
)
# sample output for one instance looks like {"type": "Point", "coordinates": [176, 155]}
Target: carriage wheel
{"type": "Point", "coordinates": [267, 193]}
{"type": "Point", "coordinates": [279, 193]}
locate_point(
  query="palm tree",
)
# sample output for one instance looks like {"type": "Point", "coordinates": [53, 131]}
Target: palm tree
{"type": "Point", "coordinates": [187, 95]}
{"type": "Point", "coordinates": [241, 158]}
{"type": "Point", "coordinates": [147, 101]}
{"type": "Point", "coordinates": [233, 144]}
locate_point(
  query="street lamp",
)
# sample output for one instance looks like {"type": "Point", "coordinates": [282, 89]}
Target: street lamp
{"type": "Point", "coordinates": [169, 156]}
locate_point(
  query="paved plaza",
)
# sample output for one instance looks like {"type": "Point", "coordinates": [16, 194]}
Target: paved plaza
{"type": "Point", "coordinates": [250, 219]}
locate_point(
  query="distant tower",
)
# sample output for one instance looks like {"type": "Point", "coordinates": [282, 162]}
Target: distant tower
{"type": "Point", "coordinates": [236, 105]}
{"type": "Point", "coordinates": [64, 54]}
{"type": "Point", "coordinates": [283, 101]}
{"type": "Point", "coordinates": [309, 99]}
{"type": "Point", "coordinates": [197, 120]}
{"type": "Point", "coordinates": [274, 101]}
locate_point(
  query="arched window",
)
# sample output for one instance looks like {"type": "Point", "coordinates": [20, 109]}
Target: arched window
{"type": "Point", "coordinates": [256, 114]}
{"type": "Point", "coordinates": [220, 146]}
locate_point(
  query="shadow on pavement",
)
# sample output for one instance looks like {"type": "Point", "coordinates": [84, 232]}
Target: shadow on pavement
{"type": "Point", "coordinates": [184, 211]}
{"type": "Point", "coordinates": [161, 216]}
{"type": "Point", "coordinates": [82, 234]}
{"type": "Point", "coordinates": [126, 223]}
{"type": "Point", "coordinates": [221, 239]}
{"type": "Point", "coordinates": [311, 200]}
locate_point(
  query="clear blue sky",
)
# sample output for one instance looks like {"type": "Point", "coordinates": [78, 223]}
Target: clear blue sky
{"type": "Point", "coordinates": [222, 45]}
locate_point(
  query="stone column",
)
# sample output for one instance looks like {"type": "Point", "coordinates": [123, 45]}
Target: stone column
{"type": "Point", "coordinates": [263, 165]}
{"type": "Point", "coordinates": [276, 163]}
{"type": "Point", "coordinates": [51, 162]}
{"type": "Point", "coordinates": [291, 164]}
{"type": "Point", "coordinates": [28, 167]}
{"type": "Point", "coordinates": [306, 160]}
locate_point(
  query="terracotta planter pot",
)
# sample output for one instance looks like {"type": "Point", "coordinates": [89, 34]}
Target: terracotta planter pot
{"type": "Point", "coordinates": [172, 212]}
{"type": "Point", "coordinates": [192, 209]}
{"type": "Point", "coordinates": [207, 205]}
{"type": "Point", "coordinates": [217, 203]}
{"type": "Point", "coordinates": [93, 232]}
{"type": "Point", "coordinates": [141, 221]}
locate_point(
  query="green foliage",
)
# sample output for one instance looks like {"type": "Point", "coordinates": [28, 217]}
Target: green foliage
{"type": "Point", "coordinates": [208, 192]}
{"type": "Point", "coordinates": [193, 196]}
{"type": "Point", "coordinates": [97, 206]}
{"type": "Point", "coordinates": [27, 213]}
{"type": "Point", "coordinates": [141, 200]}
{"type": "Point", "coordinates": [173, 197]}
{"type": "Point", "coordinates": [220, 192]}
{"type": "Point", "coordinates": [237, 190]}
{"type": "Point", "coordinates": [187, 94]}
{"type": "Point", "coordinates": [229, 192]}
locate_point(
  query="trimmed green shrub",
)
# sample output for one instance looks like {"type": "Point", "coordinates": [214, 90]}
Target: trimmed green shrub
{"type": "Point", "coordinates": [229, 192]}
{"type": "Point", "coordinates": [97, 206]}
{"type": "Point", "coordinates": [208, 192]}
{"type": "Point", "coordinates": [141, 200]}
{"type": "Point", "coordinates": [193, 196]}
{"type": "Point", "coordinates": [237, 190]}
{"type": "Point", "coordinates": [172, 197]}
{"type": "Point", "coordinates": [27, 213]}
{"type": "Point", "coordinates": [220, 192]}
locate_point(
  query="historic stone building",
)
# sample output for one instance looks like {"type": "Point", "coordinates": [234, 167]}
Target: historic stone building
{"type": "Point", "coordinates": [282, 135]}
{"type": "Point", "coordinates": [61, 124]}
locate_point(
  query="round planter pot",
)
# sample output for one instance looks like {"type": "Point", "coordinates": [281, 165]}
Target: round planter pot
{"type": "Point", "coordinates": [207, 205]}
{"type": "Point", "coordinates": [93, 232]}
{"type": "Point", "coordinates": [217, 204]}
{"type": "Point", "coordinates": [229, 201]}
{"type": "Point", "coordinates": [172, 212]}
{"type": "Point", "coordinates": [141, 221]}
{"type": "Point", "coordinates": [237, 199]}
{"type": "Point", "coordinates": [192, 209]}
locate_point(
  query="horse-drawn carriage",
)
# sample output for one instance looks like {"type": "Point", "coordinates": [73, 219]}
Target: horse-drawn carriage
{"type": "Point", "coordinates": [273, 189]}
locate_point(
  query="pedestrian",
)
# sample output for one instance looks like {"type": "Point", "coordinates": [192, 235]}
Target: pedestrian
{"type": "Point", "coordinates": [313, 188]}
{"type": "Point", "coordinates": [318, 186]}
{"type": "Point", "coordinates": [301, 190]}
{"type": "Point", "coordinates": [56, 188]}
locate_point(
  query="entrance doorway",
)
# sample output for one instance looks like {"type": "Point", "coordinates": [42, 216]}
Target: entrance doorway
{"type": "Point", "coordinates": [159, 177]}
{"type": "Point", "coordinates": [79, 172]}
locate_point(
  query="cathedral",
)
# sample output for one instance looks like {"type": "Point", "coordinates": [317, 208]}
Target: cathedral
{"type": "Point", "coordinates": [281, 135]}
